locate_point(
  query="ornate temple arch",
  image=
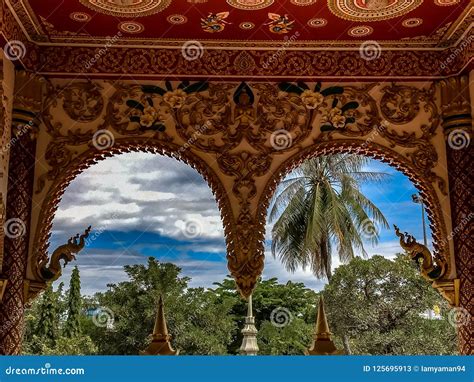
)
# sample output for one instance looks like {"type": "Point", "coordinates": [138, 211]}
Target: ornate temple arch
{"type": "Point", "coordinates": [242, 138]}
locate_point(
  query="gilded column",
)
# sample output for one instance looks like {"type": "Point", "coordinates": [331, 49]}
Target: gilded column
{"type": "Point", "coordinates": [21, 149]}
{"type": "Point", "coordinates": [457, 124]}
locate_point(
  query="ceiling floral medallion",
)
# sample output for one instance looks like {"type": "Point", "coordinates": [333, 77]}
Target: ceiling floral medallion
{"type": "Point", "coordinates": [177, 19]}
{"type": "Point", "coordinates": [360, 31]}
{"type": "Point", "coordinates": [127, 8]}
{"type": "Point", "coordinates": [445, 3]}
{"type": "Point", "coordinates": [303, 3]}
{"type": "Point", "coordinates": [81, 17]}
{"type": "Point", "coordinates": [131, 27]}
{"type": "Point", "coordinates": [317, 23]}
{"type": "Point", "coordinates": [372, 10]}
{"type": "Point", "coordinates": [414, 22]}
{"type": "Point", "coordinates": [250, 5]}
{"type": "Point", "coordinates": [246, 25]}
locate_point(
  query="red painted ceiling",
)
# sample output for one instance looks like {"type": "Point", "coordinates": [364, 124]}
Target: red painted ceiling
{"type": "Point", "coordinates": [58, 14]}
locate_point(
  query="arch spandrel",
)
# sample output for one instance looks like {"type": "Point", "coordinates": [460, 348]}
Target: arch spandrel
{"type": "Point", "coordinates": [242, 138]}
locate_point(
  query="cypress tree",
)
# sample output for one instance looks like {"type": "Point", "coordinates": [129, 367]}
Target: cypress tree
{"type": "Point", "coordinates": [48, 317]}
{"type": "Point", "coordinates": [73, 326]}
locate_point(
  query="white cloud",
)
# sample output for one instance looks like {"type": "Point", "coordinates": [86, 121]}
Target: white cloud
{"type": "Point", "coordinates": [142, 192]}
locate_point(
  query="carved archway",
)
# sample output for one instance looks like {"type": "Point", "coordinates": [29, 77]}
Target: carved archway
{"type": "Point", "coordinates": [242, 138]}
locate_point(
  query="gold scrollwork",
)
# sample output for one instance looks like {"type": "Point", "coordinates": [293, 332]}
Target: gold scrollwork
{"type": "Point", "coordinates": [83, 101]}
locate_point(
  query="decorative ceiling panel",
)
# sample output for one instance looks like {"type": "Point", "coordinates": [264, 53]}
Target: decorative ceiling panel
{"type": "Point", "coordinates": [322, 21]}
{"type": "Point", "coordinates": [241, 39]}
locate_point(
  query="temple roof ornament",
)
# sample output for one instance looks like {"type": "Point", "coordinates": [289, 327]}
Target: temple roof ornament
{"type": "Point", "coordinates": [160, 343]}
{"type": "Point", "coordinates": [249, 343]}
{"type": "Point", "coordinates": [66, 253]}
{"type": "Point", "coordinates": [322, 342]}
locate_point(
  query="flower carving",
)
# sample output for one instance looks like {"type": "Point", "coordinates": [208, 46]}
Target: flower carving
{"type": "Point", "coordinates": [311, 99]}
{"type": "Point", "coordinates": [175, 98]}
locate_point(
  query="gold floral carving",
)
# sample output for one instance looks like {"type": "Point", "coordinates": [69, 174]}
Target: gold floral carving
{"type": "Point", "coordinates": [243, 138]}
{"type": "Point", "coordinates": [83, 101]}
{"type": "Point", "coordinates": [127, 8]}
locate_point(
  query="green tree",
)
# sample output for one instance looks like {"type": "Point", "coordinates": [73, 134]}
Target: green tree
{"type": "Point", "coordinates": [198, 322]}
{"type": "Point", "coordinates": [378, 304]}
{"type": "Point", "coordinates": [279, 309]}
{"type": "Point", "coordinates": [72, 327]}
{"type": "Point", "coordinates": [320, 205]}
{"type": "Point", "coordinates": [47, 326]}
{"type": "Point", "coordinates": [290, 339]}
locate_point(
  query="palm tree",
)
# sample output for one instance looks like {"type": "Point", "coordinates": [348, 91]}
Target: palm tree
{"type": "Point", "coordinates": [320, 205]}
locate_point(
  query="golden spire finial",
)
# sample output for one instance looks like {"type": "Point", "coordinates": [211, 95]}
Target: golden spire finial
{"type": "Point", "coordinates": [160, 343]}
{"type": "Point", "coordinates": [160, 329]}
{"type": "Point", "coordinates": [322, 342]}
{"type": "Point", "coordinates": [322, 326]}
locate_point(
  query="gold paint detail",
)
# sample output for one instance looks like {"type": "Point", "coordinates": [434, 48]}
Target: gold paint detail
{"type": "Point", "coordinates": [250, 5]}
{"type": "Point", "coordinates": [372, 10]}
{"type": "Point", "coordinates": [127, 8]}
{"type": "Point", "coordinates": [360, 31]}
{"type": "Point", "coordinates": [455, 104]}
{"type": "Point", "coordinates": [131, 27]}
{"type": "Point", "coordinates": [449, 289]}
{"type": "Point", "coordinates": [83, 102]}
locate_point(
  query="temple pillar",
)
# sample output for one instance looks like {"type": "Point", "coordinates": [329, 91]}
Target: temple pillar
{"type": "Point", "coordinates": [21, 150]}
{"type": "Point", "coordinates": [457, 125]}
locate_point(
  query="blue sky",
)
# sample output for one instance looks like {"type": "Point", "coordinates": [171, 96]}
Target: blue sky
{"type": "Point", "coordinates": [144, 205]}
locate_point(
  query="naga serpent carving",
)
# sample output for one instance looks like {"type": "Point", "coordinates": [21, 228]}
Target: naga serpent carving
{"type": "Point", "coordinates": [64, 252]}
{"type": "Point", "coordinates": [430, 269]}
